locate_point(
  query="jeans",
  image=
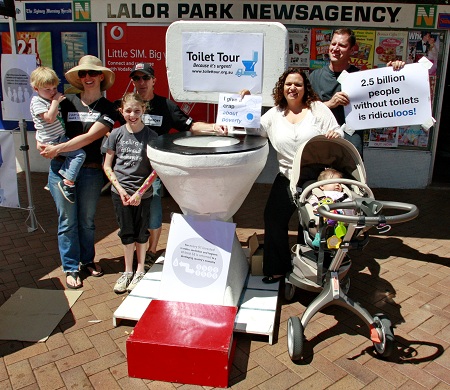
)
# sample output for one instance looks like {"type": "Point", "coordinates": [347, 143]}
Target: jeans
{"type": "Point", "coordinates": [357, 139]}
{"type": "Point", "coordinates": [73, 162]}
{"type": "Point", "coordinates": [155, 220]}
{"type": "Point", "coordinates": [76, 228]}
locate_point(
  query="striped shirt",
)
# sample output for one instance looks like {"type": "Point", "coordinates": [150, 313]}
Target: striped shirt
{"type": "Point", "coordinates": [45, 132]}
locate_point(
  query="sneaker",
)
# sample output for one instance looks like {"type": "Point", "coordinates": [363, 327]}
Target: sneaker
{"type": "Point", "coordinates": [137, 278]}
{"type": "Point", "coordinates": [150, 259]}
{"type": "Point", "coordinates": [67, 191]}
{"type": "Point", "coordinates": [46, 187]}
{"type": "Point", "coordinates": [122, 283]}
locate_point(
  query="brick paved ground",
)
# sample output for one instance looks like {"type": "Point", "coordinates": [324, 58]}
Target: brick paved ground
{"type": "Point", "coordinates": [405, 274]}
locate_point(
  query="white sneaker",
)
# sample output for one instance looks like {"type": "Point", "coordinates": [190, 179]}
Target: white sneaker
{"type": "Point", "coordinates": [137, 278]}
{"type": "Point", "coordinates": [122, 283]}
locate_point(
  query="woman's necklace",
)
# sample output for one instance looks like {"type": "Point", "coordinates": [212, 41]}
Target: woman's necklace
{"type": "Point", "coordinates": [91, 110]}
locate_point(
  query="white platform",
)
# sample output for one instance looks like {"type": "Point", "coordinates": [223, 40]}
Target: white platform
{"type": "Point", "coordinates": [257, 305]}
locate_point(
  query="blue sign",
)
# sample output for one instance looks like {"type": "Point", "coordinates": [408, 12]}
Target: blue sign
{"type": "Point", "coordinates": [48, 11]}
{"type": "Point", "coordinates": [444, 21]}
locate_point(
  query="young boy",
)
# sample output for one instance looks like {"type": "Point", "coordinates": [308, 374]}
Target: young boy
{"type": "Point", "coordinates": [50, 127]}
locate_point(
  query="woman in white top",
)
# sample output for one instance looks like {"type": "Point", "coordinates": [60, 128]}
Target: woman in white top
{"type": "Point", "coordinates": [298, 116]}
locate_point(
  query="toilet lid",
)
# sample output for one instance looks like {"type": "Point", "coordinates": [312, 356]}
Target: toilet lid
{"type": "Point", "coordinates": [167, 143]}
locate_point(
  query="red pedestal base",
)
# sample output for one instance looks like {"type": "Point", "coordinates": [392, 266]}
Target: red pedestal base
{"type": "Point", "coordinates": [183, 342]}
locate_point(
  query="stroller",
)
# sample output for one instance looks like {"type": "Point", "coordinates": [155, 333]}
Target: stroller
{"type": "Point", "coordinates": [322, 264]}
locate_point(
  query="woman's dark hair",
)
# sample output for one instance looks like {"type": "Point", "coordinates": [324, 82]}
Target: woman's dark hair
{"type": "Point", "coordinates": [278, 91]}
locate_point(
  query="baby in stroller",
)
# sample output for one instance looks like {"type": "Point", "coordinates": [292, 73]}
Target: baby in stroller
{"type": "Point", "coordinates": [321, 265]}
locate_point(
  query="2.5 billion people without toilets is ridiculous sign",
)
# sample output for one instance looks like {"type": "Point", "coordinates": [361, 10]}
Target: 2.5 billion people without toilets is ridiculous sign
{"type": "Point", "coordinates": [222, 61]}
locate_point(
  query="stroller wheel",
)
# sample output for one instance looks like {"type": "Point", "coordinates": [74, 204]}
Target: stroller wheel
{"type": "Point", "coordinates": [295, 338]}
{"type": "Point", "coordinates": [384, 325]}
{"type": "Point", "coordinates": [289, 291]}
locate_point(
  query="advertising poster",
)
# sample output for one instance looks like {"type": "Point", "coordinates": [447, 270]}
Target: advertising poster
{"type": "Point", "coordinates": [8, 178]}
{"type": "Point", "coordinates": [362, 57]}
{"type": "Point", "coordinates": [390, 46]}
{"type": "Point", "coordinates": [385, 98]}
{"type": "Point", "coordinates": [218, 62]}
{"type": "Point", "coordinates": [74, 46]}
{"type": "Point", "coordinates": [299, 47]}
{"type": "Point", "coordinates": [320, 42]}
{"type": "Point", "coordinates": [29, 42]}
{"type": "Point", "coordinates": [16, 88]}
{"type": "Point", "coordinates": [127, 45]}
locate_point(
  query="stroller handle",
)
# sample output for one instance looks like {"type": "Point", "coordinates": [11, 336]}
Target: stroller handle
{"type": "Point", "coordinates": [371, 209]}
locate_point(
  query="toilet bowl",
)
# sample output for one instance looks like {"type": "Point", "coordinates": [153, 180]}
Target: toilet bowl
{"type": "Point", "coordinates": [210, 176]}
{"type": "Point", "coordinates": [206, 174]}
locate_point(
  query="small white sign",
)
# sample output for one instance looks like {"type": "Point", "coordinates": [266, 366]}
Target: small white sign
{"type": "Point", "coordinates": [197, 260]}
{"type": "Point", "coordinates": [384, 98]}
{"type": "Point", "coordinates": [240, 112]}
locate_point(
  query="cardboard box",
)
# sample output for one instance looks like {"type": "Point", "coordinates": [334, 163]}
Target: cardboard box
{"type": "Point", "coordinates": [255, 256]}
{"type": "Point", "coordinates": [181, 342]}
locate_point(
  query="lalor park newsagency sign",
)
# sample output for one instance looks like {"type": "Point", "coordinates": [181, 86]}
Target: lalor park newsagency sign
{"type": "Point", "coordinates": [384, 98]}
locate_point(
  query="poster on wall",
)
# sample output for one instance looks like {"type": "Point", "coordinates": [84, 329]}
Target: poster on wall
{"type": "Point", "coordinates": [219, 61]}
{"type": "Point", "coordinates": [390, 46]}
{"type": "Point", "coordinates": [299, 47]}
{"type": "Point", "coordinates": [74, 45]}
{"type": "Point", "coordinates": [124, 47]}
{"type": "Point", "coordinates": [127, 45]}
{"type": "Point", "coordinates": [30, 42]}
{"type": "Point", "coordinates": [362, 57]}
{"type": "Point", "coordinates": [16, 89]}
{"type": "Point", "coordinates": [8, 178]}
{"type": "Point", "coordinates": [425, 44]}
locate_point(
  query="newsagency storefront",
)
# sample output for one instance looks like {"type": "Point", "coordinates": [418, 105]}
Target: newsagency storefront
{"type": "Point", "coordinates": [124, 33]}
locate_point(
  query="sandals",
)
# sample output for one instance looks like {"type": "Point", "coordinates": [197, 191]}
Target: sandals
{"type": "Point", "coordinates": [92, 269]}
{"type": "Point", "coordinates": [76, 276]}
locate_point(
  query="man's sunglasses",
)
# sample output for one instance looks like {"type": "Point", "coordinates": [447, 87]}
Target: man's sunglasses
{"type": "Point", "coordinates": [145, 77]}
{"type": "Point", "coordinates": [93, 73]}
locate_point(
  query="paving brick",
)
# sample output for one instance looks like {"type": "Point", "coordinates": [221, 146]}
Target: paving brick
{"type": "Point", "coordinates": [48, 377]}
{"type": "Point", "coordinates": [21, 374]}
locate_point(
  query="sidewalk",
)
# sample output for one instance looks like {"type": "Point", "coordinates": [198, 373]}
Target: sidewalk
{"type": "Point", "coordinates": [404, 274]}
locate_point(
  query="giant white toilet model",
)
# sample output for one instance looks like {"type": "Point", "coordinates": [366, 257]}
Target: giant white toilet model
{"type": "Point", "coordinates": [210, 176]}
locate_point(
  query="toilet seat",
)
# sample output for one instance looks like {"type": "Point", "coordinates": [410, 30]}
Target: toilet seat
{"type": "Point", "coordinates": [167, 143]}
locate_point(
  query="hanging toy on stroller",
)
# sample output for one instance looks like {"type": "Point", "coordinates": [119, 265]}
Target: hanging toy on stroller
{"type": "Point", "coordinates": [330, 232]}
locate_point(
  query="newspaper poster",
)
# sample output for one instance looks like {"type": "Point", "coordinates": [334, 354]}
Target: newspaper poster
{"type": "Point", "coordinates": [362, 57]}
{"type": "Point", "coordinates": [320, 43]}
{"type": "Point", "coordinates": [390, 46]}
{"type": "Point", "coordinates": [299, 47]}
{"type": "Point", "coordinates": [74, 46]}
{"type": "Point", "coordinates": [385, 137]}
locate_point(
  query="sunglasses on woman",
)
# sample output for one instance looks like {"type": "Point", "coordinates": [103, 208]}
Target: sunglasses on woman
{"type": "Point", "coordinates": [145, 77]}
{"type": "Point", "coordinates": [93, 73]}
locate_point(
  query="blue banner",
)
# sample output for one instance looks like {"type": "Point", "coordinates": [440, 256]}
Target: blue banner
{"type": "Point", "coordinates": [48, 11]}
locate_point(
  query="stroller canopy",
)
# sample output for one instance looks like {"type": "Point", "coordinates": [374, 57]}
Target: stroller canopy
{"type": "Point", "coordinates": [319, 153]}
